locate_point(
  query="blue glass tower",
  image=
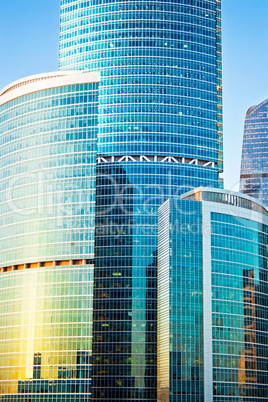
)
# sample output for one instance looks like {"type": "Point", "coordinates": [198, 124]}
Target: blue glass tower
{"type": "Point", "coordinates": [254, 163]}
{"type": "Point", "coordinates": [160, 134]}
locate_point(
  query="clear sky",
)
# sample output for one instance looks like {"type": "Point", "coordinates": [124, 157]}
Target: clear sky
{"type": "Point", "coordinates": [29, 32]}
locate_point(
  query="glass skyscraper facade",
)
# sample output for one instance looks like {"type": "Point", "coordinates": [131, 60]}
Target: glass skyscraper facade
{"type": "Point", "coordinates": [212, 298]}
{"type": "Point", "coordinates": [87, 159]}
{"type": "Point", "coordinates": [160, 134]}
{"type": "Point", "coordinates": [159, 69]}
{"type": "Point", "coordinates": [48, 132]}
{"type": "Point", "coordinates": [48, 167]}
{"type": "Point", "coordinates": [46, 334]}
{"type": "Point", "coordinates": [254, 163]}
{"type": "Point", "coordinates": [180, 351]}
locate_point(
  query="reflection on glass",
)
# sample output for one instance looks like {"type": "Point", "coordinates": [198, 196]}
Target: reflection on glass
{"type": "Point", "coordinates": [240, 314]}
{"type": "Point", "coordinates": [254, 165]}
{"type": "Point", "coordinates": [46, 333]}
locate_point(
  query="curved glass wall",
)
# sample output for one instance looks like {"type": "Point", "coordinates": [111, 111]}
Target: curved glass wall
{"type": "Point", "coordinates": [47, 175]}
{"type": "Point", "coordinates": [46, 334]}
{"type": "Point", "coordinates": [254, 165]}
{"type": "Point", "coordinates": [213, 300]}
{"type": "Point", "coordinates": [159, 73]}
{"type": "Point", "coordinates": [158, 98]}
{"type": "Point", "coordinates": [48, 132]}
{"type": "Point", "coordinates": [239, 308]}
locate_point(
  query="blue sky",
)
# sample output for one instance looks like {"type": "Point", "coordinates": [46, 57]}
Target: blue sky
{"type": "Point", "coordinates": [29, 45]}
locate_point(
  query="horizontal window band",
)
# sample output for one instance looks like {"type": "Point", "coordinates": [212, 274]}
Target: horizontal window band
{"type": "Point", "coordinates": [253, 175]}
{"type": "Point", "coordinates": [41, 264]}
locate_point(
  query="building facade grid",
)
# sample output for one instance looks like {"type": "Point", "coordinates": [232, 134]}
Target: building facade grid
{"type": "Point", "coordinates": [160, 65]}
{"type": "Point", "coordinates": [48, 149]}
{"type": "Point", "coordinates": [254, 167]}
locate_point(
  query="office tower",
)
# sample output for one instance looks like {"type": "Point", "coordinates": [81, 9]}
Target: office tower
{"type": "Point", "coordinates": [160, 134]}
{"type": "Point", "coordinates": [48, 132]}
{"type": "Point", "coordinates": [212, 298]}
{"type": "Point", "coordinates": [254, 163]}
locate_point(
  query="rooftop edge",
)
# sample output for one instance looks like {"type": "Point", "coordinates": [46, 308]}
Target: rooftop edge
{"type": "Point", "coordinates": [226, 197]}
{"type": "Point", "coordinates": [38, 82]}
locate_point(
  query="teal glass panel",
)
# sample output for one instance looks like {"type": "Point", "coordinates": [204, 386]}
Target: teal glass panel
{"type": "Point", "coordinates": [180, 343]}
{"type": "Point", "coordinates": [239, 308]}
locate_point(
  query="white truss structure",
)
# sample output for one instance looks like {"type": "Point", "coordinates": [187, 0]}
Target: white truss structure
{"type": "Point", "coordinates": [155, 158]}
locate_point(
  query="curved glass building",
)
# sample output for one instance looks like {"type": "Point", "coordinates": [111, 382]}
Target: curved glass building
{"type": "Point", "coordinates": [212, 298]}
{"type": "Point", "coordinates": [160, 68]}
{"type": "Point", "coordinates": [254, 165]}
{"type": "Point", "coordinates": [48, 132]}
{"type": "Point", "coordinates": [160, 133]}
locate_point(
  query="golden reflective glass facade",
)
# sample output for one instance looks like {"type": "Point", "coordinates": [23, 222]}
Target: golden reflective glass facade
{"type": "Point", "coordinates": [46, 333]}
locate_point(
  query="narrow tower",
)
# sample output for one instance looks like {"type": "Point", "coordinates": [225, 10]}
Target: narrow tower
{"type": "Point", "coordinates": [254, 164]}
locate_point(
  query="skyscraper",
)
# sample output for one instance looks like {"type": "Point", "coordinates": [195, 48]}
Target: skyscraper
{"type": "Point", "coordinates": [254, 163]}
{"type": "Point", "coordinates": [48, 132]}
{"type": "Point", "coordinates": [213, 298]}
{"type": "Point", "coordinates": [160, 134]}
